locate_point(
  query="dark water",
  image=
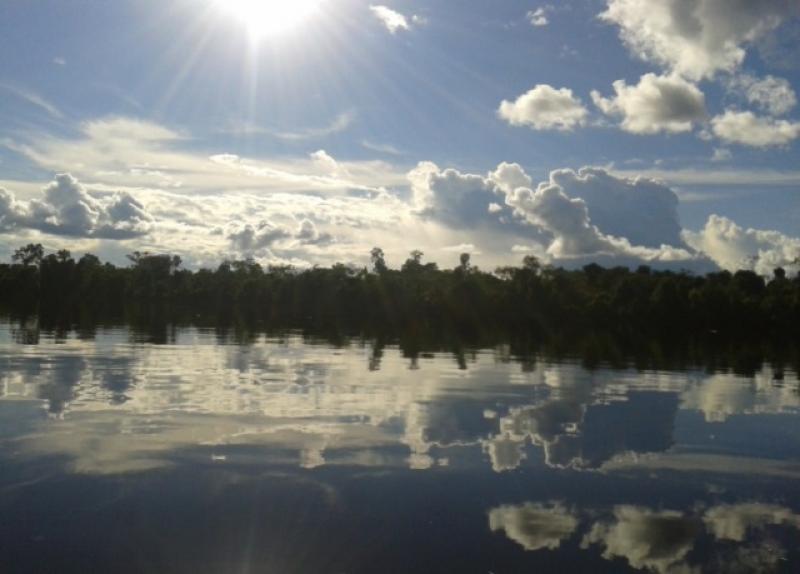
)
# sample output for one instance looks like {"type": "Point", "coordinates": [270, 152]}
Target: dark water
{"type": "Point", "coordinates": [281, 456]}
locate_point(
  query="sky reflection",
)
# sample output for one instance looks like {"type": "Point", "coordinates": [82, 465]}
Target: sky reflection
{"type": "Point", "coordinates": [666, 471]}
{"type": "Point", "coordinates": [115, 406]}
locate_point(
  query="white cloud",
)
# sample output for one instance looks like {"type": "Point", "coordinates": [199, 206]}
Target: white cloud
{"type": "Point", "coordinates": [339, 124]}
{"type": "Point", "coordinates": [659, 541]}
{"type": "Point", "coordinates": [274, 228]}
{"type": "Point", "coordinates": [655, 104]}
{"type": "Point", "coordinates": [561, 206]}
{"type": "Point", "coordinates": [770, 94]}
{"type": "Point", "coordinates": [721, 155]}
{"type": "Point", "coordinates": [545, 108]}
{"type": "Point", "coordinates": [567, 219]}
{"type": "Point", "coordinates": [381, 147]}
{"type": "Point", "coordinates": [67, 208]}
{"type": "Point", "coordinates": [34, 99]}
{"type": "Point", "coordinates": [721, 396]}
{"type": "Point", "coordinates": [454, 198]}
{"type": "Point", "coordinates": [534, 526]}
{"type": "Point", "coordinates": [134, 154]}
{"type": "Point", "coordinates": [198, 201]}
{"type": "Point", "coordinates": [393, 21]}
{"type": "Point", "coordinates": [510, 176]}
{"type": "Point", "coordinates": [748, 129]}
{"type": "Point", "coordinates": [327, 163]}
{"type": "Point", "coordinates": [505, 452]}
{"type": "Point", "coordinates": [538, 17]}
{"type": "Point", "coordinates": [734, 247]}
{"type": "Point", "coordinates": [121, 129]}
{"type": "Point", "coordinates": [585, 214]}
{"type": "Point", "coordinates": [462, 248]}
{"type": "Point", "coordinates": [641, 209]}
{"type": "Point", "coordinates": [715, 177]}
{"type": "Point", "coordinates": [695, 38]}
{"type": "Point", "coordinates": [308, 234]}
{"type": "Point", "coordinates": [210, 208]}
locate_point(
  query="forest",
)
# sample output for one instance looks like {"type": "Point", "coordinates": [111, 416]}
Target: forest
{"type": "Point", "coordinates": [531, 298]}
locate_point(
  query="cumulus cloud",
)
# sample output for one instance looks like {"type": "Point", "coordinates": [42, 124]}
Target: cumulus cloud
{"type": "Point", "coordinates": [250, 239]}
{"type": "Point", "coordinates": [534, 526]}
{"type": "Point", "coordinates": [734, 247]}
{"type": "Point", "coordinates": [567, 219]}
{"type": "Point", "coordinates": [259, 239]}
{"type": "Point", "coordinates": [588, 213]}
{"type": "Point", "coordinates": [67, 208]}
{"type": "Point", "coordinates": [326, 163]}
{"type": "Point", "coordinates": [561, 207]}
{"type": "Point", "coordinates": [748, 129]}
{"type": "Point", "coordinates": [538, 18]}
{"type": "Point", "coordinates": [510, 176]}
{"type": "Point", "coordinates": [641, 209]}
{"type": "Point", "coordinates": [699, 38]}
{"type": "Point", "coordinates": [770, 94]}
{"type": "Point", "coordinates": [659, 541]}
{"type": "Point", "coordinates": [545, 108]}
{"type": "Point", "coordinates": [655, 104]}
{"type": "Point", "coordinates": [393, 21]}
{"type": "Point", "coordinates": [454, 198]}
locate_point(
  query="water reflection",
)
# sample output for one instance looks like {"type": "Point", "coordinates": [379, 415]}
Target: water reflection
{"type": "Point", "coordinates": [656, 540]}
{"type": "Point", "coordinates": [746, 536]}
{"type": "Point", "coordinates": [534, 526]}
{"type": "Point", "coordinates": [667, 471]}
{"type": "Point", "coordinates": [116, 405]}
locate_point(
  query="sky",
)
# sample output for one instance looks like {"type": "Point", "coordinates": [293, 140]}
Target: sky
{"type": "Point", "coordinates": [623, 132]}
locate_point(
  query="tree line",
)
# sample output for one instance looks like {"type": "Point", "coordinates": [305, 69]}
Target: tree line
{"type": "Point", "coordinates": [531, 297]}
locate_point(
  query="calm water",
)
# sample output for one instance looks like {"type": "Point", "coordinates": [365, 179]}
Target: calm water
{"type": "Point", "coordinates": [280, 456]}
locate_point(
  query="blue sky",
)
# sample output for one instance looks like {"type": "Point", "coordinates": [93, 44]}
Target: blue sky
{"type": "Point", "coordinates": [234, 129]}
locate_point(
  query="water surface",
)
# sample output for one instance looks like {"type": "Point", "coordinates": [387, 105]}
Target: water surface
{"type": "Point", "coordinates": [284, 455]}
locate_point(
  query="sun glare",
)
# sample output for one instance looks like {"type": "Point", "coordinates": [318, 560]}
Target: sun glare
{"type": "Point", "coordinates": [265, 18]}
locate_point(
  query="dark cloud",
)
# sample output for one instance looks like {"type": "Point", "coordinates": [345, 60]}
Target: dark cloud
{"type": "Point", "coordinates": [266, 235]}
{"type": "Point", "coordinates": [67, 208]}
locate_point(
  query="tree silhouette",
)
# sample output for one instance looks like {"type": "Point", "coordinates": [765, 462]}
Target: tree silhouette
{"type": "Point", "coordinates": [530, 298]}
{"type": "Point", "coordinates": [378, 260]}
{"type": "Point", "coordinates": [30, 254]}
{"type": "Point", "coordinates": [463, 262]}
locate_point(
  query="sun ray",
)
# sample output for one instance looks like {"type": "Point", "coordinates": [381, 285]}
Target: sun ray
{"type": "Point", "coordinates": [269, 18]}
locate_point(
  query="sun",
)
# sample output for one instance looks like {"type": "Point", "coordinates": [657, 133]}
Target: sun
{"type": "Point", "coordinates": [266, 18]}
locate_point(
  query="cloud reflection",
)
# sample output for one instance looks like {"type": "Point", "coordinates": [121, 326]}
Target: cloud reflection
{"type": "Point", "coordinates": [725, 537]}
{"type": "Point", "coordinates": [658, 541]}
{"type": "Point", "coordinates": [119, 406]}
{"type": "Point", "coordinates": [534, 526]}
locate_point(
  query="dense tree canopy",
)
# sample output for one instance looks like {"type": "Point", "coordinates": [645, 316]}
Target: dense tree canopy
{"type": "Point", "coordinates": [531, 297]}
